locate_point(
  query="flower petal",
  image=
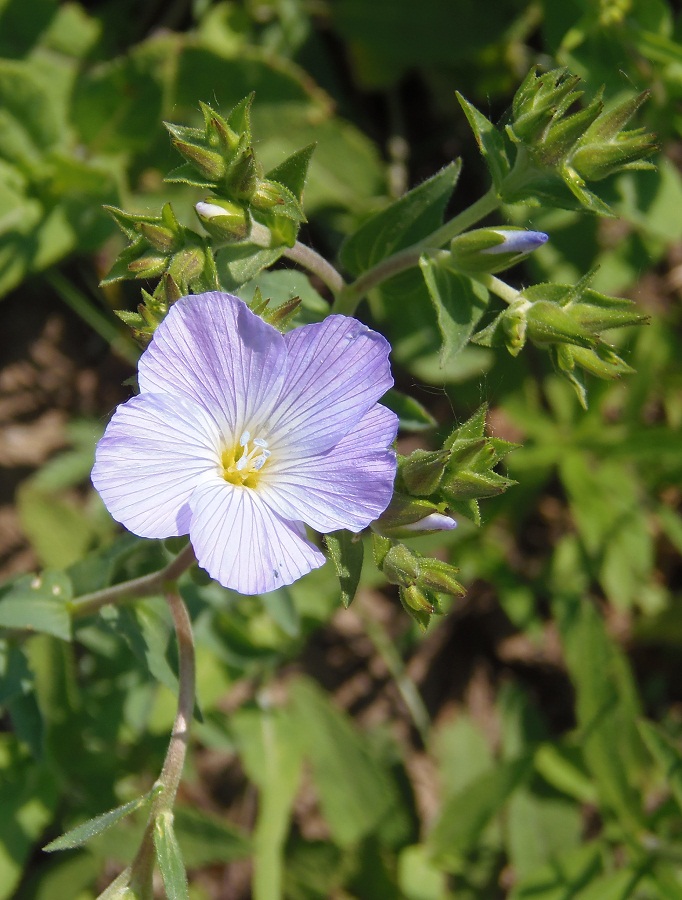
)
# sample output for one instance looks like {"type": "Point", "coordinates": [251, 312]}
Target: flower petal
{"type": "Point", "coordinates": [336, 371]}
{"type": "Point", "coordinates": [154, 453]}
{"type": "Point", "coordinates": [213, 349]}
{"type": "Point", "coordinates": [347, 487]}
{"type": "Point", "coordinates": [243, 544]}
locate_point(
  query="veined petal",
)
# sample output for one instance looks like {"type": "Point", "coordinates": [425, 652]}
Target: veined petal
{"type": "Point", "coordinates": [336, 371]}
{"type": "Point", "coordinates": [245, 545]}
{"type": "Point", "coordinates": [213, 349]}
{"type": "Point", "coordinates": [155, 452]}
{"type": "Point", "coordinates": [347, 487]}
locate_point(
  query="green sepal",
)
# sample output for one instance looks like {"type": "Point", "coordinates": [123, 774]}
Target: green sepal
{"type": "Point", "coordinates": [422, 471]}
{"type": "Point", "coordinates": [272, 197]}
{"type": "Point", "coordinates": [292, 172]}
{"type": "Point", "coordinates": [346, 552]}
{"type": "Point", "coordinates": [187, 174]}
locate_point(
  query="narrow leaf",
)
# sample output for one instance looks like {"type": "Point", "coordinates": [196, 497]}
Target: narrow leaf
{"type": "Point", "coordinates": [490, 141]}
{"type": "Point", "coordinates": [666, 753]}
{"type": "Point", "coordinates": [82, 833]}
{"type": "Point", "coordinates": [169, 858]}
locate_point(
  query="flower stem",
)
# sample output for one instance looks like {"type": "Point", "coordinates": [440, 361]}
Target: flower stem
{"type": "Point", "coordinates": [500, 288]}
{"type": "Point", "coordinates": [169, 780]}
{"type": "Point", "coordinates": [153, 583]}
{"type": "Point", "coordinates": [303, 255]}
{"type": "Point", "coordinates": [350, 296]}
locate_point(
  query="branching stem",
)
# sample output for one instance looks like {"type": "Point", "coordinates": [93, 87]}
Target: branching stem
{"type": "Point", "coordinates": [154, 583]}
{"type": "Point", "coordinates": [169, 780]}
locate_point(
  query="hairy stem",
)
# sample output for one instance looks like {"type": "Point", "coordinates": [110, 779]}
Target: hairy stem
{"type": "Point", "coordinates": [145, 586]}
{"type": "Point", "coordinates": [500, 288]}
{"type": "Point", "coordinates": [350, 296]}
{"type": "Point", "coordinates": [169, 780]}
{"type": "Point", "coordinates": [303, 255]}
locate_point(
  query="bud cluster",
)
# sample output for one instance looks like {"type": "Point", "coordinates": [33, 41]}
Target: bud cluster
{"type": "Point", "coordinates": [568, 321]}
{"type": "Point", "coordinates": [420, 579]}
{"type": "Point", "coordinates": [221, 157]}
{"type": "Point", "coordinates": [556, 138]}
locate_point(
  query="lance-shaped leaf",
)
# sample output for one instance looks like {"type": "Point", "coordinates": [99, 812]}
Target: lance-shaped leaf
{"type": "Point", "coordinates": [346, 552]}
{"type": "Point", "coordinates": [82, 833]}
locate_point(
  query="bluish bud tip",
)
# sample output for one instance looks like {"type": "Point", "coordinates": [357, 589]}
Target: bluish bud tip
{"type": "Point", "coordinates": [432, 522]}
{"type": "Point", "coordinates": [518, 241]}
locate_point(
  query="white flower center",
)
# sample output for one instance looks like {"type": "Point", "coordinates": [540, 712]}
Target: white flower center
{"type": "Point", "coordinates": [243, 462]}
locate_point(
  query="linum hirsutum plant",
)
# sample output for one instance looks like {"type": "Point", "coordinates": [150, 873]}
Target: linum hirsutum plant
{"type": "Point", "coordinates": [254, 434]}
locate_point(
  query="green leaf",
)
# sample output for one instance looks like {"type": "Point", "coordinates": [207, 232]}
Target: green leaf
{"type": "Point", "coordinates": [563, 878]}
{"type": "Point", "coordinates": [60, 532]}
{"type": "Point", "coordinates": [82, 833]}
{"type": "Point", "coordinates": [346, 551]}
{"type": "Point", "coordinates": [282, 609]}
{"type": "Point", "coordinates": [403, 223]}
{"type": "Point", "coordinates": [465, 815]}
{"type": "Point", "coordinates": [490, 141]}
{"type": "Point", "coordinates": [28, 799]}
{"type": "Point", "coordinates": [606, 501]}
{"type": "Point", "coordinates": [207, 839]}
{"type": "Point", "coordinates": [607, 702]}
{"type": "Point", "coordinates": [270, 751]}
{"type": "Point", "coordinates": [355, 791]}
{"type": "Point", "coordinates": [169, 858]}
{"type": "Point", "coordinates": [666, 753]}
{"type": "Point", "coordinates": [119, 889]}
{"type": "Point", "coordinates": [413, 416]}
{"type": "Point", "coordinates": [16, 677]}
{"type": "Point", "coordinates": [239, 263]}
{"type": "Point", "coordinates": [459, 302]}
{"type": "Point", "coordinates": [38, 604]}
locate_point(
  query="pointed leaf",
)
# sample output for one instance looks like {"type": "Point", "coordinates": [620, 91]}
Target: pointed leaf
{"type": "Point", "coordinates": [408, 220]}
{"type": "Point", "coordinates": [459, 302]}
{"type": "Point", "coordinates": [169, 858]}
{"type": "Point", "coordinates": [293, 171]}
{"type": "Point", "coordinates": [79, 835]}
{"type": "Point", "coordinates": [490, 141]}
{"type": "Point", "coordinates": [413, 416]}
{"type": "Point", "coordinates": [346, 552]}
{"type": "Point", "coordinates": [667, 755]}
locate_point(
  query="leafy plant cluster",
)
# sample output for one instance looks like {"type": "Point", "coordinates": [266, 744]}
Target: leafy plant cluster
{"type": "Point", "coordinates": [568, 784]}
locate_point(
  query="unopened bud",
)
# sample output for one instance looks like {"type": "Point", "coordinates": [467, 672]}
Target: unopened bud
{"type": "Point", "coordinates": [493, 249]}
{"type": "Point", "coordinates": [515, 325]}
{"type": "Point", "coordinates": [160, 237]}
{"type": "Point", "coordinates": [147, 266]}
{"type": "Point", "coordinates": [224, 220]}
{"type": "Point", "coordinates": [417, 599]}
{"type": "Point", "coordinates": [549, 323]}
{"type": "Point", "coordinates": [401, 566]}
{"type": "Point", "coordinates": [209, 163]}
{"type": "Point", "coordinates": [439, 576]}
{"type": "Point", "coordinates": [187, 265]}
{"type": "Point", "coordinates": [422, 471]}
{"type": "Point", "coordinates": [242, 177]}
{"type": "Point", "coordinates": [407, 516]}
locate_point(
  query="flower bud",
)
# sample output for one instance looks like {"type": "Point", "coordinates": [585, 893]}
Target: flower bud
{"type": "Point", "coordinates": [209, 163]}
{"type": "Point", "coordinates": [549, 323]}
{"type": "Point", "coordinates": [158, 236]}
{"type": "Point", "coordinates": [224, 220]}
{"type": "Point", "coordinates": [147, 266]}
{"type": "Point", "coordinates": [493, 249]}
{"type": "Point", "coordinates": [417, 599]}
{"type": "Point", "coordinates": [422, 471]}
{"type": "Point", "coordinates": [439, 576]}
{"type": "Point", "coordinates": [242, 177]}
{"type": "Point", "coordinates": [187, 265]}
{"type": "Point", "coordinates": [407, 517]}
{"type": "Point", "coordinates": [515, 325]}
{"type": "Point", "coordinates": [401, 566]}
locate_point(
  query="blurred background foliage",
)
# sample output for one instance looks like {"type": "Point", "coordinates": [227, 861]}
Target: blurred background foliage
{"type": "Point", "coordinates": [528, 745]}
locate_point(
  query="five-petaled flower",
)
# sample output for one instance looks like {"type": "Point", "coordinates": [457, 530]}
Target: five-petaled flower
{"type": "Point", "coordinates": [240, 436]}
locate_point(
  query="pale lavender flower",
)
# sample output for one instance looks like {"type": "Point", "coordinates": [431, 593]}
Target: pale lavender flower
{"type": "Point", "coordinates": [240, 436]}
